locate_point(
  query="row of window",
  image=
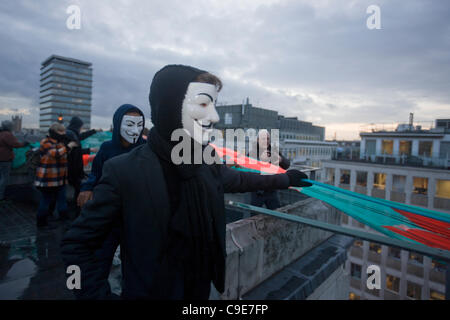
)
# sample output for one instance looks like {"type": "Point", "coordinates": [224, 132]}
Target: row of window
{"type": "Point", "coordinates": [84, 83]}
{"type": "Point", "coordinates": [300, 137]}
{"type": "Point", "coordinates": [53, 91]}
{"type": "Point", "coordinates": [420, 184]}
{"type": "Point", "coordinates": [425, 148]}
{"type": "Point", "coordinates": [62, 106]}
{"type": "Point", "coordinates": [56, 72]}
{"type": "Point", "coordinates": [65, 99]}
{"type": "Point", "coordinates": [434, 295]}
{"type": "Point", "coordinates": [413, 290]}
{"type": "Point", "coordinates": [306, 151]}
{"type": "Point", "coordinates": [77, 89]}
{"type": "Point", "coordinates": [73, 68]}
{"type": "Point", "coordinates": [47, 123]}
{"type": "Point", "coordinates": [392, 252]}
{"type": "Point", "coordinates": [67, 115]}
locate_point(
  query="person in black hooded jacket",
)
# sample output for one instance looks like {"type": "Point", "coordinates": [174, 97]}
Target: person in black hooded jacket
{"type": "Point", "coordinates": [172, 214]}
{"type": "Point", "coordinates": [75, 158]}
{"type": "Point", "coordinates": [128, 125]}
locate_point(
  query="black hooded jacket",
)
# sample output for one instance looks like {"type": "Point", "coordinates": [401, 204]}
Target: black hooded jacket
{"type": "Point", "coordinates": [75, 156]}
{"type": "Point", "coordinates": [111, 148]}
{"type": "Point", "coordinates": [133, 190]}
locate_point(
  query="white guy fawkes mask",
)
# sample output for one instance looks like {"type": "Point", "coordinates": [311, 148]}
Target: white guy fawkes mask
{"type": "Point", "coordinates": [198, 112]}
{"type": "Point", "coordinates": [131, 128]}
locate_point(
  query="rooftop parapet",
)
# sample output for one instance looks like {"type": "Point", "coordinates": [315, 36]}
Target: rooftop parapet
{"type": "Point", "coordinates": [261, 246]}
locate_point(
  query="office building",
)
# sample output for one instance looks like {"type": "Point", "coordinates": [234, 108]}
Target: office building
{"type": "Point", "coordinates": [300, 141]}
{"type": "Point", "coordinates": [65, 91]}
{"type": "Point", "coordinates": [408, 165]}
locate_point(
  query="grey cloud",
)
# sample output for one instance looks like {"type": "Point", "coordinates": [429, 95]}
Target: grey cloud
{"type": "Point", "coordinates": [315, 60]}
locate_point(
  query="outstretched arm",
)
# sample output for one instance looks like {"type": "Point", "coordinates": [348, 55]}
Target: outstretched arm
{"type": "Point", "coordinates": [88, 232]}
{"type": "Point", "coordinates": [239, 181]}
{"type": "Point", "coordinates": [87, 134]}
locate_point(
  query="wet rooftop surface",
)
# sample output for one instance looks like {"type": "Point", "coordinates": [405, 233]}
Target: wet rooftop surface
{"type": "Point", "coordinates": [31, 267]}
{"type": "Point", "coordinates": [30, 261]}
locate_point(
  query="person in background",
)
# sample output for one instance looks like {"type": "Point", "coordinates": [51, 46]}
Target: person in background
{"type": "Point", "coordinates": [7, 142]}
{"type": "Point", "coordinates": [51, 173]}
{"type": "Point", "coordinates": [128, 125]}
{"type": "Point", "coordinates": [263, 150]}
{"type": "Point", "coordinates": [75, 158]}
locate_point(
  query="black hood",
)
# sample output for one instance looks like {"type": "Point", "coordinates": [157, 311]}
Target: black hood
{"type": "Point", "coordinates": [167, 93]}
{"type": "Point", "coordinates": [117, 120]}
{"type": "Point", "coordinates": [75, 124]}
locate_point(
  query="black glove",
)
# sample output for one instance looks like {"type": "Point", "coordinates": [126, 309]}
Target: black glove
{"type": "Point", "coordinates": [295, 178]}
{"type": "Point", "coordinates": [26, 143]}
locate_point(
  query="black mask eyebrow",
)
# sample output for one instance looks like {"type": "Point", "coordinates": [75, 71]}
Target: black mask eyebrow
{"type": "Point", "coordinates": [205, 94]}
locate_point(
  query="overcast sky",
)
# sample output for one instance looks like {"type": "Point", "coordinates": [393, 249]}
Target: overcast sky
{"type": "Point", "coordinates": [316, 60]}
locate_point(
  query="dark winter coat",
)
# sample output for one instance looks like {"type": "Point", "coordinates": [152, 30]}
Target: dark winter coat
{"type": "Point", "coordinates": [132, 189]}
{"type": "Point", "coordinates": [75, 156]}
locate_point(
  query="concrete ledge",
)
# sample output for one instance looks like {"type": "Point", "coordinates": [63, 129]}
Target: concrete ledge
{"type": "Point", "coordinates": [312, 275]}
{"type": "Point", "coordinates": [261, 246]}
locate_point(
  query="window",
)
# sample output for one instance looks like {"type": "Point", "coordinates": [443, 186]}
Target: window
{"type": "Point", "coordinates": [370, 147]}
{"type": "Point", "coordinates": [425, 148]}
{"type": "Point", "coordinates": [405, 147]}
{"type": "Point", "coordinates": [415, 257]}
{"type": "Point", "coordinates": [436, 295]}
{"type": "Point", "coordinates": [358, 243]}
{"type": "Point", "coordinates": [398, 183]}
{"type": "Point", "coordinates": [394, 253]}
{"type": "Point", "coordinates": [413, 290]}
{"type": "Point", "coordinates": [392, 283]}
{"type": "Point", "coordinates": [443, 189]}
{"type": "Point", "coordinates": [345, 177]}
{"type": "Point", "coordinates": [344, 219]}
{"type": "Point", "coordinates": [355, 271]}
{"type": "Point", "coordinates": [228, 118]}
{"type": "Point", "coordinates": [375, 247]}
{"type": "Point", "coordinates": [330, 175]}
{"type": "Point", "coordinates": [420, 185]}
{"type": "Point", "coordinates": [438, 266]}
{"type": "Point", "coordinates": [379, 181]}
{"type": "Point", "coordinates": [387, 147]}
{"type": "Point", "coordinates": [361, 178]}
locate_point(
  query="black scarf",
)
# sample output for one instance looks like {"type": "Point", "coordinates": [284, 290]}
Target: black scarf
{"type": "Point", "coordinates": [192, 242]}
{"type": "Point", "coordinates": [192, 248]}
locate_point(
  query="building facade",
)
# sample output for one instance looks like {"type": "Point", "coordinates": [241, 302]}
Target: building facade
{"type": "Point", "coordinates": [300, 141]}
{"type": "Point", "coordinates": [17, 123]}
{"type": "Point", "coordinates": [409, 145]}
{"type": "Point", "coordinates": [65, 91]}
{"type": "Point", "coordinates": [407, 167]}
